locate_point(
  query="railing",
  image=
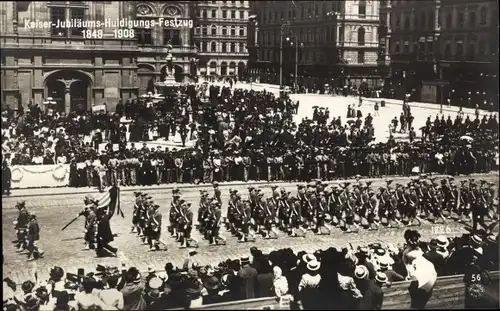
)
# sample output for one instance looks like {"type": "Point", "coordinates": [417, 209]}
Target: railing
{"type": "Point", "coordinates": [447, 294]}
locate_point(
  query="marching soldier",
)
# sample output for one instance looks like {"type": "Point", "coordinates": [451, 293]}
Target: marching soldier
{"type": "Point", "coordinates": [217, 192]}
{"type": "Point", "coordinates": [245, 212]}
{"type": "Point", "coordinates": [174, 214]}
{"type": "Point", "coordinates": [179, 172]}
{"type": "Point", "coordinates": [215, 222]}
{"type": "Point", "coordinates": [155, 228]}
{"type": "Point", "coordinates": [33, 237]}
{"type": "Point", "coordinates": [21, 225]}
{"type": "Point", "coordinates": [231, 216]}
{"type": "Point", "coordinates": [137, 210]}
{"type": "Point", "coordinates": [203, 211]}
{"type": "Point", "coordinates": [90, 226]}
{"type": "Point", "coordinates": [478, 206]}
{"type": "Point", "coordinates": [322, 209]}
{"type": "Point", "coordinates": [186, 222]}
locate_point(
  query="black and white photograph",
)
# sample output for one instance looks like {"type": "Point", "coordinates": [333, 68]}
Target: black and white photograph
{"type": "Point", "coordinates": [250, 155]}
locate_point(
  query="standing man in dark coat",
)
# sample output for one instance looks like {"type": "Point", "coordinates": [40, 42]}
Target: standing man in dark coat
{"type": "Point", "coordinates": [6, 178]}
{"type": "Point", "coordinates": [248, 274]}
{"type": "Point", "coordinates": [33, 237]}
{"type": "Point", "coordinates": [104, 234]}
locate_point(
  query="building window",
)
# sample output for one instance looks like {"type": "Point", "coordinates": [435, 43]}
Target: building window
{"type": "Point", "coordinates": [204, 30]}
{"type": "Point", "coordinates": [224, 49]}
{"type": "Point", "coordinates": [430, 48]}
{"type": "Point", "coordinates": [361, 36]}
{"type": "Point", "coordinates": [213, 30]}
{"type": "Point", "coordinates": [481, 48]}
{"type": "Point", "coordinates": [460, 22]}
{"type": "Point", "coordinates": [213, 47]}
{"type": "Point", "coordinates": [242, 31]}
{"type": "Point", "coordinates": [361, 57]}
{"type": "Point", "coordinates": [233, 14]}
{"type": "Point", "coordinates": [233, 47]}
{"type": "Point", "coordinates": [241, 47]}
{"type": "Point", "coordinates": [172, 35]}
{"type": "Point", "coordinates": [422, 20]}
{"type": "Point", "coordinates": [431, 20]}
{"type": "Point", "coordinates": [470, 51]}
{"type": "Point", "coordinates": [483, 16]}
{"type": "Point", "coordinates": [341, 34]}
{"type": "Point", "coordinates": [224, 31]}
{"type": "Point", "coordinates": [398, 23]}
{"type": "Point", "coordinates": [77, 14]}
{"type": "Point", "coordinates": [204, 47]}
{"type": "Point", "coordinates": [406, 48]}
{"type": "Point", "coordinates": [407, 23]}
{"type": "Point", "coordinates": [233, 31]}
{"type": "Point", "coordinates": [472, 19]}
{"type": "Point", "coordinates": [362, 8]}
{"type": "Point", "coordinates": [449, 20]}
{"type": "Point", "coordinates": [197, 30]}
{"type": "Point", "coordinates": [447, 50]}
{"type": "Point", "coordinates": [214, 13]}
{"type": "Point", "coordinates": [144, 36]}
{"type": "Point", "coordinates": [460, 49]}
{"type": "Point", "coordinates": [204, 13]}
{"type": "Point", "coordinates": [58, 14]}
{"type": "Point", "coordinates": [224, 14]}
{"type": "Point", "coordinates": [396, 48]}
{"type": "Point", "coordinates": [242, 2]}
{"type": "Point", "coordinates": [242, 14]}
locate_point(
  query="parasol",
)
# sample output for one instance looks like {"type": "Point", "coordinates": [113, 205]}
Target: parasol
{"type": "Point", "coordinates": [467, 138]}
{"type": "Point", "coordinates": [350, 122]}
{"type": "Point", "coordinates": [315, 107]}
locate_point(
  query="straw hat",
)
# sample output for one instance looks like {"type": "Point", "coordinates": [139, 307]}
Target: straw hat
{"type": "Point", "coordinates": [381, 277]}
{"type": "Point", "coordinates": [308, 258]}
{"type": "Point", "coordinates": [313, 265]}
{"type": "Point", "coordinates": [442, 241]}
{"type": "Point", "coordinates": [361, 272]}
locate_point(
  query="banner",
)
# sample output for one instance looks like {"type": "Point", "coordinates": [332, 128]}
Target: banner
{"type": "Point", "coordinates": [40, 176]}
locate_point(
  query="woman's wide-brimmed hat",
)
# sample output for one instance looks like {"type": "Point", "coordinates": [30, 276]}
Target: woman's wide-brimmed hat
{"type": "Point", "coordinates": [361, 272]}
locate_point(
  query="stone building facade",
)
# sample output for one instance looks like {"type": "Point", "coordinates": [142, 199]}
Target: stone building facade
{"type": "Point", "coordinates": [221, 37]}
{"type": "Point", "coordinates": [445, 49]}
{"type": "Point", "coordinates": [338, 40]}
{"type": "Point", "coordinates": [79, 72]}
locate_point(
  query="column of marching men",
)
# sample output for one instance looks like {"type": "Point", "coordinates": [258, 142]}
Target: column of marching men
{"type": "Point", "coordinates": [318, 208]}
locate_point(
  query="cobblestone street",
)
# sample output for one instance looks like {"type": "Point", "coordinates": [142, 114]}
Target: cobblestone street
{"type": "Point", "coordinates": [64, 248]}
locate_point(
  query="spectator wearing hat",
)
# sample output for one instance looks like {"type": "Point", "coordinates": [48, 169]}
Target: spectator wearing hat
{"type": "Point", "coordinates": [308, 292]}
{"type": "Point", "coordinates": [372, 294]}
{"type": "Point", "coordinates": [248, 276]}
{"type": "Point", "coordinates": [280, 283]}
{"type": "Point", "coordinates": [475, 280]}
{"type": "Point", "coordinates": [111, 296]}
{"type": "Point", "coordinates": [133, 291]}
{"type": "Point", "coordinates": [192, 293]}
{"type": "Point", "coordinates": [423, 276]}
{"type": "Point", "coordinates": [363, 256]}
{"type": "Point", "coordinates": [438, 254]}
{"type": "Point", "coordinates": [265, 276]}
{"type": "Point", "coordinates": [385, 268]}
{"type": "Point", "coordinates": [212, 286]}
{"type": "Point", "coordinates": [87, 298]}
{"type": "Point", "coordinates": [153, 293]}
{"type": "Point", "coordinates": [491, 253]}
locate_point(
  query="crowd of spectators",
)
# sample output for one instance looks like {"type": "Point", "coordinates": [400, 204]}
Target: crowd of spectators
{"type": "Point", "coordinates": [238, 135]}
{"type": "Point", "coordinates": [336, 278]}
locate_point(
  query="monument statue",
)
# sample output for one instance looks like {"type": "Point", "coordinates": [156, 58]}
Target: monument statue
{"type": "Point", "coordinates": [169, 58]}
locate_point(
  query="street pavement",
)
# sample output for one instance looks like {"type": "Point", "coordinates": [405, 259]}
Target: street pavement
{"type": "Point", "coordinates": [64, 248]}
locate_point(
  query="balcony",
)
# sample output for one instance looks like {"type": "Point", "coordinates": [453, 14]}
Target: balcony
{"type": "Point", "coordinates": [357, 17]}
{"type": "Point", "coordinates": [240, 54]}
{"type": "Point", "coordinates": [366, 45]}
{"type": "Point", "coordinates": [223, 20]}
{"type": "Point", "coordinates": [220, 36]}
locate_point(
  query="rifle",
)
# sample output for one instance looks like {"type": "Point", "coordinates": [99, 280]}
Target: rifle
{"type": "Point", "coordinates": [69, 223]}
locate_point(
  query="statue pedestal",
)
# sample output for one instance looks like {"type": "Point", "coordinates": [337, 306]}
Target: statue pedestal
{"type": "Point", "coordinates": [166, 85]}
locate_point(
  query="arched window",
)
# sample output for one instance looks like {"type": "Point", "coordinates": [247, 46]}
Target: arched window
{"type": "Point", "coordinates": [362, 8]}
{"type": "Point", "coordinates": [483, 16]}
{"type": "Point", "coordinates": [361, 36]}
{"type": "Point", "coordinates": [241, 47]}
{"type": "Point", "coordinates": [213, 30]}
{"type": "Point", "coordinates": [233, 31]}
{"type": "Point", "coordinates": [224, 30]}
{"type": "Point", "coordinates": [213, 47]}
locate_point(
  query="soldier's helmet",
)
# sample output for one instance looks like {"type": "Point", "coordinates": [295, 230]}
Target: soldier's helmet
{"type": "Point", "coordinates": [21, 204]}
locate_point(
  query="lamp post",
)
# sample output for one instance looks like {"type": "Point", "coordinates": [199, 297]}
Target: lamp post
{"type": "Point", "coordinates": [284, 27]}
{"type": "Point", "coordinates": [289, 38]}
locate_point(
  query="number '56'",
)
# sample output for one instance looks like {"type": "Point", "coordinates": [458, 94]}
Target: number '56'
{"type": "Point", "coordinates": [476, 278]}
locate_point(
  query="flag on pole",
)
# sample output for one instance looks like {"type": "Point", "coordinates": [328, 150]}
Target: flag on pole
{"type": "Point", "coordinates": [111, 201]}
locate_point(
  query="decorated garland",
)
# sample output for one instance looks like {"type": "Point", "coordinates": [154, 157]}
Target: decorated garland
{"type": "Point", "coordinates": [59, 172]}
{"type": "Point", "coordinates": [17, 174]}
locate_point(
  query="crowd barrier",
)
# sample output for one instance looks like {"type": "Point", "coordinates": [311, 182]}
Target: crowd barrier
{"type": "Point", "coordinates": [447, 294]}
{"type": "Point", "coordinates": [39, 176]}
